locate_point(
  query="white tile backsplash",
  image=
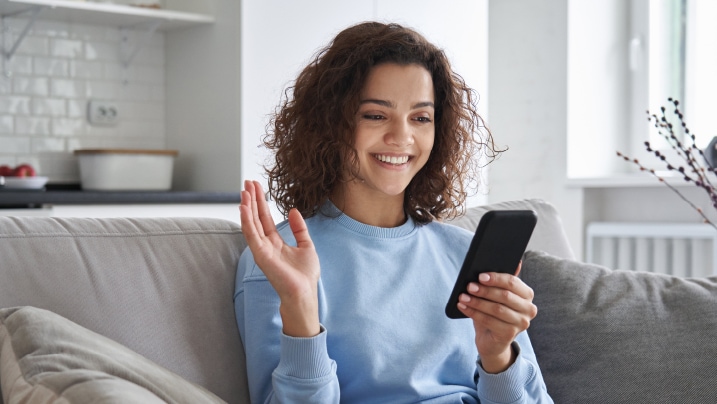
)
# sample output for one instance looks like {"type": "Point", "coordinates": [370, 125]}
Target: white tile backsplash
{"type": "Point", "coordinates": [81, 69]}
{"type": "Point", "coordinates": [14, 145]}
{"type": "Point", "coordinates": [15, 105]}
{"type": "Point", "coordinates": [56, 70]}
{"type": "Point", "coordinates": [66, 48]}
{"type": "Point", "coordinates": [106, 89]}
{"type": "Point", "coordinates": [5, 85]}
{"type": "Point", "coordinates": [20, 65]}
{"type": "Point", "coordinates": [30, 85]}
{"type": "Point", "coordinates": [51, 67]}
{"type": "Point", "coordinates": [67, 88]}
{"type": "Point", "coordinates": [102, 51]}
{"type": "Point", "coordinates": [32, 125]}
{"type": "Point", "coordinates": [41, 145]}
{"type": "Point", "coordinates": [68, 127]}
{"type": "Point", "coordinates": [51, 29]}
{"type": "Point", "coordinates": [49, 106]}
{"type": "Point", "coordinates": [6, 125]}
{"type": "Point", "coordinates": [76, 108]}
{"type": "Point", "coordinates": [33, 45]}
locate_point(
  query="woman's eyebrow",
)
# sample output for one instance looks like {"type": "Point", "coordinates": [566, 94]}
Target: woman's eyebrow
{"type": "Point", "coordinates": [382, 103]}
{"type": "Point", "coordinates": [423, 104]}
{"type": "Point", "coordinates": [390, 104]}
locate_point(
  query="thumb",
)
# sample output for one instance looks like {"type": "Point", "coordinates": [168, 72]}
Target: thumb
{"type": "Point", "coordinates": [298, 227]}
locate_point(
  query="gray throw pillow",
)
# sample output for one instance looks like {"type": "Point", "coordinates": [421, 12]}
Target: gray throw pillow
{"type": "Point", "coordinates": [45, 358]}
{"type": "Point", "coordinates": [614, 336]}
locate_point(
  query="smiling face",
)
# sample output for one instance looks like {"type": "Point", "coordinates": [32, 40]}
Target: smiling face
{"type": "Point", "coordinates": [394, 132]}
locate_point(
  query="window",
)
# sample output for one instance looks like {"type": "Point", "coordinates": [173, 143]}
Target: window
{"type": "Point", "coordinates": [682, 63]}
{"type": "Point", "coordinates": [701, 69]}
{"type": "Point", "coordinates": [626, 57]}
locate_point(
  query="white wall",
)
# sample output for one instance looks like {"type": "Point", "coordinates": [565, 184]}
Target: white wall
{"type": "Point", "coordinates": [560, 82]}
{"type": "Point", "coordinates": [599, 107]}
{"type": "Point", "coordinates": [203, 101]}
{"type": "Point", "coordinates": [280, 36]}
{"type": "Point", "coordinates": [528, 106]}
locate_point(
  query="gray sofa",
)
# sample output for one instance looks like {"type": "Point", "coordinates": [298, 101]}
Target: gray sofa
{"type": "Point", "coordinates": [140, 310]}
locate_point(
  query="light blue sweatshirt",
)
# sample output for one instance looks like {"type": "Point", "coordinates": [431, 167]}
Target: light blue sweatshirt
{"type": "Point", "coordinates": [385, 337]}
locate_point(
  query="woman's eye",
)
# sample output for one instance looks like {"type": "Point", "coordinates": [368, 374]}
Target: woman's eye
{"type": "Point", "coordinates": [372, 116]}
{"type": "Point", "coordinates": [424, 119]}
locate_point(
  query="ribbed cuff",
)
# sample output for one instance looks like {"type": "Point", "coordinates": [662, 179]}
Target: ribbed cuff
{"type": "Point", "coordinates": [305, 358]}
{"type": "Point", "coordinates": [508, 386]}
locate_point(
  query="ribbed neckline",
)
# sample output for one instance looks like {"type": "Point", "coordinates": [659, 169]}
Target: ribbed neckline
{"type": "Point", "coordinates": [330, 211]}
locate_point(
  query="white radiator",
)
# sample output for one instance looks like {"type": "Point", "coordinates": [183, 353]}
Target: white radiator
{"type": "Point", "coordinates": [667, 248]}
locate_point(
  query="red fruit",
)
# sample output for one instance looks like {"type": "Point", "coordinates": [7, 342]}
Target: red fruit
{"type": "Point", "coordinates": [6, 171]}
{"type": "Point", "coordinates": [24, 170]}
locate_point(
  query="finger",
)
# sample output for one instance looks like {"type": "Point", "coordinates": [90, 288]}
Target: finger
{"type": "Point", "coordinates": [251, 187]}
{"type": "Point", "coordinates": [245, 209]}
{"type": "Point", "coordinates": [264, 213]}
{"type": "Point", "coordinates": [501, 297]}
{"type": "Point", "coordinates": [492, 315]}
{"type": "Point", "coordinates": [508, 282]}
{"type": "Point", "coordinates": [298, 227]}
{"type": "Point", "coordinates": [488, 322]}
{"type": "Point", "coordinates": [247, 218]}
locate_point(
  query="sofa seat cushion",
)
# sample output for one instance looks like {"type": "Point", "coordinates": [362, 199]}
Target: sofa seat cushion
{"type": "Point", "coordinates": [49, 359]}
{"type": "Point", "coordinates": [614, 336]}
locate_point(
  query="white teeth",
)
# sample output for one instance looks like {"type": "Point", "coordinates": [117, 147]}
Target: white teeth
{"type": "Point", "coordinates": [392, 159]}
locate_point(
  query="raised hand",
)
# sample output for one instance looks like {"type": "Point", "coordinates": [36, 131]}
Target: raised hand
{"type": "Point", "coordinates": [501, 307]}
{"type": "Point", "coordinates": [292, 271]}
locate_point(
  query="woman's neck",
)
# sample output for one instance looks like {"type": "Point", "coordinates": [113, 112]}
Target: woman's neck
{"type": "Point", "coordinates": [371, 210]}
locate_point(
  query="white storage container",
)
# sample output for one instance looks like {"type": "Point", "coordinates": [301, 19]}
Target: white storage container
{"type": "Point", "coordinates": [126, 169]}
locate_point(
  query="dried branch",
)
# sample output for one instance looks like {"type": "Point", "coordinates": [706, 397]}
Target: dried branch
{"type": "Point", "coordinates": [694, 169]}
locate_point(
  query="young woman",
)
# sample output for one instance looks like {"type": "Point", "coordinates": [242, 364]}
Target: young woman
{"type": "Point", "coordinates": [344, 301]}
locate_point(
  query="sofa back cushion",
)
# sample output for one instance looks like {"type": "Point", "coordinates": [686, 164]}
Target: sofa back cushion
{"type": "Point", "coordinates": [161, 287]}
{"type": "Point", "coordinates": [548, 236]}
{"type": "Point", "coordinates": [614, 336]}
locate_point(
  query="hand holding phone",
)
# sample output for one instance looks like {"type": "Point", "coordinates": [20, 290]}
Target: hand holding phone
{"type": "Point", "coordinates": [497, 246]}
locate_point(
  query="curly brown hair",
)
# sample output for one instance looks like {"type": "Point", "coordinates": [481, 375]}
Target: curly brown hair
{"type": "Point", "coordinates": [312, 131]}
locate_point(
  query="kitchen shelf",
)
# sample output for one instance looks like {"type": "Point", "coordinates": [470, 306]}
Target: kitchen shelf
{"type": "Point", "coordinates": [107, 14]}
{"type": "Point", "coordinates": [21, 198]}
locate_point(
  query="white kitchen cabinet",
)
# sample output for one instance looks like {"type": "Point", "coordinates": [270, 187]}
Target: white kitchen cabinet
{"type": "Point", "coordinates": [227, 211]}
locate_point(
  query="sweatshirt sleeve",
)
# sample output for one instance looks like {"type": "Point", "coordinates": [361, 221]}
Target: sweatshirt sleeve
{"type": "Point", "coordinates": [280, 369]}
{"type": "Point", "coordinates": [522, 382]}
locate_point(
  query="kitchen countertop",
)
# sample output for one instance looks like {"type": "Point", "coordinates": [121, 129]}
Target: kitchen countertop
{"type": "Point", "coordinates": [62, 195]}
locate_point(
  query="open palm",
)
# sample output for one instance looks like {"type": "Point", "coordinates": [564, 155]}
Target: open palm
{"type": "Point", "coordinates": [292, 271]}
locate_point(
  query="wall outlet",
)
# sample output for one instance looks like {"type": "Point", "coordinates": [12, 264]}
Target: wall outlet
{"type": "Point", "coordinates": [102, 113]}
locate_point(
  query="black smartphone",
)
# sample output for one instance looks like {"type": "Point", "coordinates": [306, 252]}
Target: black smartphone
{"type": "Point", "coordinates": [497, 246]}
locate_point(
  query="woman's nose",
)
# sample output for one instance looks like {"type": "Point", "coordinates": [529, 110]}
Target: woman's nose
{"type": "Point", "coordinates": [400, 134]}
